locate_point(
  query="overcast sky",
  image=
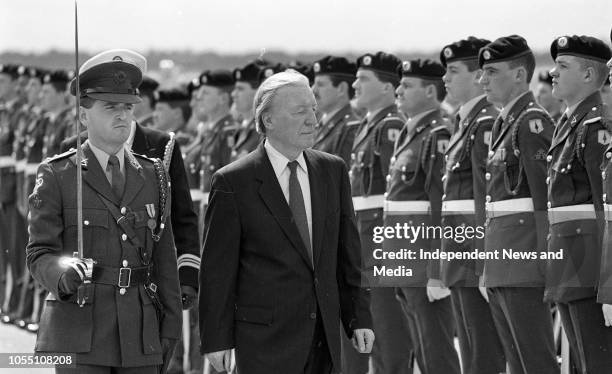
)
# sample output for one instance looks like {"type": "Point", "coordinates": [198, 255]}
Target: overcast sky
{"type": "Point", "coordinates": [293, 26]}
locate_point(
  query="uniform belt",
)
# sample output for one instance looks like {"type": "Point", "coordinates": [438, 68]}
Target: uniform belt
{"type": "Point", "coordinates": [30, 169]}
{"type": "Point", "coordinates": [410, 206]}
{"type": "Point", "coordinates": [6, 161]}
{"type": "Point", "coordinates": [571, 213]}
{"type": "Point", "coordinates": [20, 165]}
{"type": "Point", "coordinates": [511, 206]}
{"type": "Point", "coordinates": [368, 202]}
{"type": "Point", "coordinates": [198, 195]}
{"type": "Point", "coordinates": [121, 277]}
{"type": "Point", "coordinates": [450, 207]}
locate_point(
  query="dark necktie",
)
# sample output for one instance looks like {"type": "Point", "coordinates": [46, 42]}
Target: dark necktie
{"type": "Point", "coordinates": [497, 126]}
{"type": "Point", "coordinates": [296, 203]}
{"type": "Point", "coordinates": [117, 180]}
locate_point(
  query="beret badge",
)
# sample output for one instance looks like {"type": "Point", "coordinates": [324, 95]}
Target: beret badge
{"type": "Point", "coordinates": [486, 55]}
{"type": "Point", "coordinates": [316, 67]}
{"type": "Point", "coordinates": [562, 42]}
{"type": "Point", "coordinates": [406, 66]}
{"type": "Point", "coordinates": [367, 60]}
{"type": "Point", "coordinates": [448, 53]}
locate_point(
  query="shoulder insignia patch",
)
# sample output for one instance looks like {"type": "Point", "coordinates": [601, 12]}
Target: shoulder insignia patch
{"type": "Point", "coordinates": [535, 125]}
{"type": "Point", "coordinates": [392, 134]}
{"type": "Point", "coordinates": [603, 137]}
{"type": "Point", "coordinates": [487, 137]}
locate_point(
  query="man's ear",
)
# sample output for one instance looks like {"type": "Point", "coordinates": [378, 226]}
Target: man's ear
{"type": "Point", "coordinates": [83, 116]}
{"type": "Point", "coordinates": [266, 119]}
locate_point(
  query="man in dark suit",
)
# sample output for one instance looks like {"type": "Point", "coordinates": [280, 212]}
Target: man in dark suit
{"type": "Point", "coordinates": [127, 318]}
{"type": "Point", "coordinates": [281, 251]}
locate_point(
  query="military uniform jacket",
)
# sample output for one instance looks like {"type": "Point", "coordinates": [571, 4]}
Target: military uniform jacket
{"type": "Point", "coordinates": [372, 150]}
{"type": "Point", "coordinates": [464, 179]}
{"type": "Point", "coordinates": [56, 132]}
{"type": "Point", "coordinates": [32, 156]}
{"type": "Point", "coordinates": [415, 174]}
{"type": "Point", "coordinates": [246, 140]}
{"type": "Point", "coordinates": [574, 177]}
{"type": "Point", "coordinates": [8, 126]}
{"type": "Point", "coordinates": [604, 290]}
{"type": "Point", "coordinates": [152, 143]}
{"type": "Point", "coordinates": [516, 168]}
{"type": "Point", "coordinates": [114, 329]}
{"type": "Point", "coordinates": [337, 136]}
{"type": "Point", "coordinates": [216, 149]}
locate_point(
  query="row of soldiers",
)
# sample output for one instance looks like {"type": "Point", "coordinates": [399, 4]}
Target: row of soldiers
{"type": "Point", "coordinates": [412, 158]}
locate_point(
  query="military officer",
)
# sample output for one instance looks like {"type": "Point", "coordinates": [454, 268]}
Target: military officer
{"type": "Point", "coordinates": [214, 96]}
{"type": "Point", "coordinates": [545, 98]}
{"type": "Point", "coordinates": [129, 316]}
{"type": "Point", "coordinates": [10, 103]}
{"type": "Point", "coordinates": [575, 198]}
{"type": "Point", "coordinates": [375, 84]}
{"type": "Point", "coordinates": [143, 112]}
{"type": "Point", "coordinates": [414, 191]}
{"type": "Point", "coordinates": [333, 90]}
{"type": "Point", "coordinates": [463, 205]}
{"type": "Point", "coordinates": [515, 205]}
{"type": "Point", "coordinates": [247, 80]}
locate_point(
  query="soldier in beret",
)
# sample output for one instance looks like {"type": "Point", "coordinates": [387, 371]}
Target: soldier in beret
{"type": "Point", "coordinates": [143, 112]}
{"type": "Point", "coordinates": [129, 317]}
{"type": "Point", "coordinates": [333, 90]}
{"type": "Point", "coordinates": [10, 105]}
{"type": "Point", "coordinates": [172, 111]}
{"type": "Point", "coordinates": [247, 79]}
{"type": "Point", "coordinates": [575, 206]}
{"type": "Point", "coordinates": [516, 207]}
{"type": "Point", "coordinates": [463, 204]}
{"type": "Point", "coordinates": [375, 84]}
{"type": "Point", "coordinates": [55, 101]}
{"type": "Point", "coordinates": [545, 98]}
{"type": "Point", "coordinates": [414, 191]}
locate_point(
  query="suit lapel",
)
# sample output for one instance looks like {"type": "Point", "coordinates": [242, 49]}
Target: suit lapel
{"type": "Point", "coordinates": [274, 199]}
{"type": "Point", "coordinates": [94, 176]}
{"type": "Point", "coordinates": [318, 197]}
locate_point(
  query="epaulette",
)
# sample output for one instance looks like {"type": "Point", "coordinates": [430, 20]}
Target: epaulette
{"type": "Point", "coordinates": [485, 118]}
{"type": "Point", "coordinates": [144, 157]}
{"type": "Point", "coordinates": [353, 123]}
{"type": "Point", "coordinates": [61, 156]}
{"type": "Point", "coordinates": [132, 159]}
{"type": "Point", "coordinates": [594, 115]}
{"type": "Point", "coordinates": [439, 128]}
{"type": "Point", "coordinates": [390, 117]}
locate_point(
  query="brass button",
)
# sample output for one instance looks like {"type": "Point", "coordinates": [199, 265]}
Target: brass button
{"type": "Point", "coordinates": [549, 204]}
{"type": "Point", "coordinates": [488, 176]}
{"type": "Point", "coordinates": [521, 221]}
{"type": "Point", "coordinates": [443, 196]}
{"type": "Point", "coordinates": [124, 263]}
{"type": "Point", "coordinates": [123, 210]}
{"type": "Point", "coordinates": [122, 291]}
{"type": "Point", "coordinates": [578, 230]}
{"type": "Point", "coordinates": [608, 154]}
{"type": "Point", "coordinates": [393, 159]}
{"type": "Point", "coordinates": [563, 170]}
{"type": "Point", "coordinates": [547, 180]}
{"type": "Point", "coordinates": [123, 237]}
{"type": "Point", "coordinates": [488, 199]}
{"type": "Point", "coordinates": [549, 158]}
{"type": "Point", "coordinates": [388, 177]}
{"type": "Point", "coordinates": [491, 153]}
{"type": "Point", "coordinates": [86, 223]}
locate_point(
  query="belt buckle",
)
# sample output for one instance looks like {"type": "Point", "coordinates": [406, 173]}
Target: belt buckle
{"type": "Point", "coordinates": [123, 273]}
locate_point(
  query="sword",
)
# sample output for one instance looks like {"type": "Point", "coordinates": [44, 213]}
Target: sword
{"type": "Point", "coordinates": [85, 290]}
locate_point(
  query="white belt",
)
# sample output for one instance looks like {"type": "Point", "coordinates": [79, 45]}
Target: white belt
{"type": "Point", "coordinates": [410, 206]}
{"type": "Point", "coordinates": [368, 202]}
{"type": "Point", "coordinates": [20, 165]}
{"type": "Point", "coordinates": [507, 207]}
{"type": "Point", "coordinates": [451, 207]}
{"type": "Point", "coordinates": [608, 211]}
{"type": "Point", "coordinates": [30, 169]}
{"type": "Point", "coordinates": [571, 213]}
{"type": "Point", "coordinates": [6, 161]}
{"type": "Point", "coordinates": [198, 195]}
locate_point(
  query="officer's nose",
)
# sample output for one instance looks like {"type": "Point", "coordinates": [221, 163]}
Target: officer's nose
{"type": "Point", "coordinates": [398, 91]}
{"type": "Point", "coordinates": [553, 72]}
{"type": "Point", "coordinates": [483, 79]}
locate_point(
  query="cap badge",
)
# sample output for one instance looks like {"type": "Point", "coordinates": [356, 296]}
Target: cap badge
{"type": "Point", "coordinates": [268, 73]}
{"type": "Point", "coordinates": [21, 70]}
{"type": "Point", "coordinates": [367, 60]}
{"type": "Point", "coordinates": [448, 53]}
{"type": "Point", "coordinates": [486, 54]}
{"type": "Point", "coordinates": [119, 77]}
{"type": "Point", "coordinates": [316, 67]}
{"type": "Point", "coordinates": [562, 42]}
{"type": "Point", "coordinates": [238, 75]}
{"type": "Point", "coordinates": [204, 79]}
{"type": "Point", "coordinates": [47, 78]}
{"type": "Point", "coordinates": [117, 58]}
{"type": "Point", "coordinates": [406, 66]}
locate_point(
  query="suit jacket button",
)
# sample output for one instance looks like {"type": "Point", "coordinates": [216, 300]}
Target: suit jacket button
{"type": "Point", "coordinates": [313, 315]}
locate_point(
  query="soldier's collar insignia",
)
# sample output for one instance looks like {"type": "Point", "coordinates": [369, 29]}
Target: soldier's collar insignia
{"type": "Point", "coordinates": [510, 119]}
{"type": "Point", "coordinates": [574, 120]}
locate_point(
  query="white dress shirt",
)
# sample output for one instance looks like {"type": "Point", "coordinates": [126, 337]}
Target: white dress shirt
{"type": "Point", "coordinates": [103, 160]}
{"type": "Point", "coordinates": [279, 164]}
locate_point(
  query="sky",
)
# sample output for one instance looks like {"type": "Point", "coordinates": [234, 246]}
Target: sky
{"type": "Point", "coordinates": [330, 26]}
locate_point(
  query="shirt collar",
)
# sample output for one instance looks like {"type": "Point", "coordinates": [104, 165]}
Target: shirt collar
{"type": "Point", "coordinates": [504, 113]}
{"type": "Point", "coordinates": [103, 156]}
{"type": "Point", "coordinates": [279, 161]}
{"type": "Point", "coordinates": [466, 108]}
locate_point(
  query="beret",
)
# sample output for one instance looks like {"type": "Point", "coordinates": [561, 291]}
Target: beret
{"type": "Point", "coordinates": [380, 62]}
{"type": "Point", "coordinates": [171, 95]}
{"type": "Point", "coordinates": [217, 78]}
{"type": "Point", "coordinates": [464, 49]}
{"type": "Point", "coordinates": [421, 68]}
{"type": "Point", "coordinates": [503, 49]}
{"type": "Point", "coordinates": [581, 46]}
{"type": "Point", "coordinates": [332, 65]}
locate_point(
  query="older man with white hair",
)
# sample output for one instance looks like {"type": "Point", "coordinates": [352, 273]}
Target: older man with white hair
{"type": "Point", "coordinates": [281, 251]}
